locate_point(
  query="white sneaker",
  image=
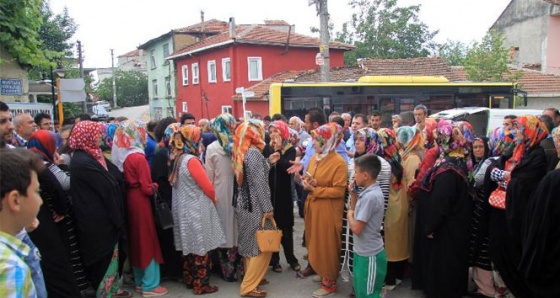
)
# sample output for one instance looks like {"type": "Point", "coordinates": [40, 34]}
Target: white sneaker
{"type": "Point", "coordinates": [389, 287]}
{"type": "Point", "coordinates": [322, 293]}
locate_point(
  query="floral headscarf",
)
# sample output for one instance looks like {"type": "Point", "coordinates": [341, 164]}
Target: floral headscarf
{"type": "Point", "coordinates": [281, 128]}
{"type": "Point", "coordinates": [249, 133]}
{"type": "Point", "coordinates": [85, 136]}
{"type": "Point", "coordinates": [533, 131]}
{"type": "Point", "coordinates": [130, 137]}
{"type": "Point", "coordinates": [411, 139]}
{"type": "Point", "coordinates": [43, 142]}
{"type": "Point", "coordinates": [168, 134]}
{"type": "Point", "coordinates": [185, 139]}
{"type": "Point", "coordinates": [329, 136]}
{"type": "Point", "coordinates": [370, 136]}
{"type": "Point", "coordinates": [556, 139]}
{"type": "Point", "coordinates": [429, 128]}
{"type": "Point", "coordinates": [223, 127]}
{"type": "Point", "coordinates": [390, 152]}
{"type": "Point", "coordinates": [500, 142]}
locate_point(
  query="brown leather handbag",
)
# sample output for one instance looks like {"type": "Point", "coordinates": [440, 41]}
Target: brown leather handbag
{"type": "Point", "coordinates": [269, 240]}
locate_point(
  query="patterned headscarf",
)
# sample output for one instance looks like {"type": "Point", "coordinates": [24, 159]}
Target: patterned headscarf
{"type": "Point", "coordinates": [556, 139]}
{"type": "Point", "coordinates": [430, 128]}
{"type": "Point", "coordinates": [168, 134]}
{"type": "Point", "coordinates": [249, 133]}
{"type": "Point", "coordinates": [533, 131]}
{"type": "Point", "coordinates": [185, 139]}
{"type": "Point", "coordinates": [390, 152]}
{"type": "Point", "coordinates": [85, 136]}
{"type": "Point", "coordinates": [43, 142]}
{"type": "Point", "coordinates": [500, 142]}
{"type": "Point", "coordinates": [281, 128]}
{"type": "Point", "coordinates": [329, 136]}
{"type": "Point", "coordinates": [411, 139]}
{"type": "Point", "coordinates": [130, 137]}
{"type": "Point", "coordinates": [223, 127]}
{"type": "Point", "coordinates": [370, 136]}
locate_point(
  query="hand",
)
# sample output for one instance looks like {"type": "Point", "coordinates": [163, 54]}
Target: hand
{"type": "Point", "coordinates": [507, 175]}
{"type": "Point", "coordinates": [431, 236]}
{"type": "Point", "coordinates": [308, 186]}
{"type": "Point", "coordinates": [57, 217]}
{"type": "Point", "coordinates": [155, 185]}
{"type": "Point", "coordinates": [350, 214]}
{"type": "Point", "coordinates": [269, 215]}
{"type": "Point", "coordinates": [273, 158]}
{"type": "Point", "coordinates": [351, 186]}
{"type": "Point", "coordinates": [57, 160]}
{"type": "Point", "coordinates": [297, 178]}
{"type": "Point", "coordinates": [32, 226]}
{"type": "Point", "coordinates": [296, 167]}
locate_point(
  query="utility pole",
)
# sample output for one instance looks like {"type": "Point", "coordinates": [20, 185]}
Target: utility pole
{"type": "Point", "coordinates": [81, 62]}
{"type": "Point", "coordinates": [114, 83]}
{"type": "Point", "coordinates": [324, 19]}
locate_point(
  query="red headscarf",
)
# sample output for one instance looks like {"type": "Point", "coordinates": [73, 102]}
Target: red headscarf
{"type": "Point", "coordinates": [533, 131]}
{"type": "Point", "coordinates": [85, 136]}
{"type": "Point", "coordinates": [283, 130]}
{"type": "Point", "coordinates": [249, 133]}
{"type": "Point", "coordinates": [43, 142]}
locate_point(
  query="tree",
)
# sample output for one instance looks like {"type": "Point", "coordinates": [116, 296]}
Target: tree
{"type": "Point", "coordinates": [487, 60]}
{"type": "Point", "coordinates": [132, 88]}
{"type": "Point", "coordinates": [56, 31]}
{"type": "Point", "coordinates": [453, 52]}
{"type": "Point", "coordinates": [381, 29]}
{"type": "Point", "coordinates": [20, 21]}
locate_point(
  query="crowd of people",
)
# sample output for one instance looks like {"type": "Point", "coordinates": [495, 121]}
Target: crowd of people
{"type": "Point", "coordinates": [427, 201]}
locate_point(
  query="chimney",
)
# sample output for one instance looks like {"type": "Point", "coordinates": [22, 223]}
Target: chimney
{"type": "Point", "coordinates": [232, 27]}
{"type": "Point", "coordinates": [202, 23]}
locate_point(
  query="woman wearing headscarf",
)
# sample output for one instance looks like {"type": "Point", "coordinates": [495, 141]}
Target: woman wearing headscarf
{"type": "Point", "coordinates": [447, 213]}
{"type": "Point", "coordinates": [280, 183]}
{"type": "Point", "coordinates": [521, 175]}
{"type": "Point", "coordinates": [251, 201]}
{"type": "Point", "coordinates": [145, 254]}
{"type": "Point", "coordinates": [52, 236]}
{"type": "Point", "coordinates": [556, 139]}
{"type": "Point", "coordinates": [365, 142]}
{"type": "Point", "coordinates": [172, 266]}
{"type": "Point", "coordinates": [196, 226]}
{"type": "Point", "coordinates": [97, 191]}
{"type": "Point", "coordinates": [326, 181]}
{"type": "Point", "coordinates": [218, 169]}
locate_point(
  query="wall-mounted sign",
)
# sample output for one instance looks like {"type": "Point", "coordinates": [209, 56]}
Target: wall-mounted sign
{"type": "Point", "coordinates": [11, 87]}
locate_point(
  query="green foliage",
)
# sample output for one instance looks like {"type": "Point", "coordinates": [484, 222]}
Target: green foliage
{"type": "Point", "coordinates": [381, 29]}
{"type": "Point", "coordinates": [132, 88]}
{"type": "Point", "coordinates": [56, 31]}
{"type": "Point", "coordinates": [20, 21]}
{"type": "Point", "coordinates": [453, 52]}
{"type": "Point", "coordinates": [487, 60]}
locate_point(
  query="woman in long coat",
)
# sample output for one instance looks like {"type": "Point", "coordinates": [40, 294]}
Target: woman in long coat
{"type": "Point", "coordinates": [145, 253]}
{"type": "Point", "coordinates": [280, 183]}
{"type": "Point", "coordinates": [220, 173]}
{"type": "Point", "coordinates": [326, 182]}
{"type": "Point", "coordinates": [251, 201]}
{"type": "Point", "coordinates": [196, 226]}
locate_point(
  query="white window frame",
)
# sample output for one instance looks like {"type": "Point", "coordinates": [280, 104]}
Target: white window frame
{"type": "Point", "coordinates": [226, 71]}
{"type": "Point", "coordinates": [212, 76]}
{"type": "Point", "coordinates": [165, 46]}
{"type": "Point", "coordinates": [195, 71]}
{"type": "Point", "coordinates": [155, 88]}
{"type": "Point", "coordinates": [259, 75]}
{"type": "Point", "coordinates": [248, 115]}
{"type": "Point", "coordinates": [185, 107]}
{"type": "Point", "coordinates": [153, 59]}
{"type": "Point", "coordinates": [185, 72]}
{"type": "Point", "coordinates": [227, 109]}
{"type": "Point", "coordinates": [168, 86]}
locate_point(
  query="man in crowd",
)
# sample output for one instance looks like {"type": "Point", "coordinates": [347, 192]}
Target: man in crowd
{"type": "Point", "coordinates": [508, 121]}
{"type": "Point", "coordinates": [397, 121]}
{"type": "Point", "coordinates": [296, 124]}
{"type": "Point", "coordinates": [43, 121]}
{"type": "Point", "coordinates": [24, 128]}
{"type": "Point", "coordinates": [6, 126]}
{"type": "Point", "coordinates": [420, 114]}
{"type": "Point", "coordinates": [375, 120]}
{"type": "Point", "coordinates": [347, 122]}
{"type": "Point", "coordinates": [358, 122]}
{"type": "Point", "coordinates": [188, 119]}
{"type": "Point", "coordinates": [554, 114]}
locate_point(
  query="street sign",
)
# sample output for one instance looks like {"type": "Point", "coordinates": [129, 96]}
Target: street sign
{"type": "Point", "coordinates": [248, 94]}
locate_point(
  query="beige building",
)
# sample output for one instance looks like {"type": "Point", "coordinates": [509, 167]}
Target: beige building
{"type": "Point", "coordinates": [14, 85]}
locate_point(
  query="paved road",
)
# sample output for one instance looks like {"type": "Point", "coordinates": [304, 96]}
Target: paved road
{"type": "Point", "coordinates": [133, 113]}
{"type": "Point", "coordinates": [285, 284]}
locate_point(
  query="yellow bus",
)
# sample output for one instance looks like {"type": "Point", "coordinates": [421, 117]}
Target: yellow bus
{"type": "Point", "coordinates": [391, 95]}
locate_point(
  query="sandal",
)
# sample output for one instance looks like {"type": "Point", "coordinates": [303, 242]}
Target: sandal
{"type": "Point", "coordinates": [277, 268]}
{"type": "Point", "coordinates": [305, 273]}
{"type": "Point", "coordinates": [295, 266]}
{"type": "Point", "coordinates": [255, 293]}
{"type": "Point", "coordinates": [264, 282]}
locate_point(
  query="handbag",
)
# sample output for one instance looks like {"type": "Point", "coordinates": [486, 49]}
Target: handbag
{"type": "Point", "coordinates": [269, 240]}
{"type": "Point", "coordinates": [162, 211]}
{"type": "Point", "coordinates": [497, 198]}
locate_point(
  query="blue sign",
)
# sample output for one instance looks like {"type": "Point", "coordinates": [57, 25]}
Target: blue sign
{"type": "Point", "coordinates": [11, 87]}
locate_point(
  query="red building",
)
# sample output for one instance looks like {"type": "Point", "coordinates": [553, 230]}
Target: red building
{"type": "Point", "coordinates": [209, 71]}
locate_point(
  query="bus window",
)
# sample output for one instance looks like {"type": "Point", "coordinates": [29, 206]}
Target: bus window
{"type": "Point", "coordinates": [387, 109]}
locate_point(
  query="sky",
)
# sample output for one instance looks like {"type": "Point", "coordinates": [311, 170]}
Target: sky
{"type": "Point", "coordinates": [123, 25]}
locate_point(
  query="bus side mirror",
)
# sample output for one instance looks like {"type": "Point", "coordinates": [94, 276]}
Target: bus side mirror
{"type": "Point", "coordinates": [519, 92]}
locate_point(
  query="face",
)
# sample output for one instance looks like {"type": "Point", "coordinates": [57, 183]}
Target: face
{"type": "Point", "coordinates": [308, 125]}
{"type": "Point", "coordinates": [396, 121]}
{"type": "Point", "coordinates": [6, 127]}
{"type": "Point", "coordinates": [357, 123]}
{"type": "Point", "coordinates": [552, 115]}
{"type": "Point", "coordinates": [508, 123]}
{"type": "Point", "coordinates": [360, 176]}
{"type": "Point", "coordinates": [294, 125]}
{"type": "Point", "coordinates": [189, 122]}
{"type": "Point", "coordinates": [478, 149]}
{"type": "Point", "coordinates": [57, 127]}
{"type": "Point", "coordinates": [419, 116]}
{"type": "Point", "coordinates": [46, 124]}
{"type": "Point", "coordinates": [27, 127]}
{"type": "Point", "coordinates": [375, 122]}
{"type": "Point", "coordinates": [317, 146]}
{"type": "Point", "coordinates": [360, 144]}
{"type": "Point", "coordinates": [64, 136]}
{"type": "Point", "coordinates": [347, 122]}
{"type": "Point", "coordinates": [29, 204]}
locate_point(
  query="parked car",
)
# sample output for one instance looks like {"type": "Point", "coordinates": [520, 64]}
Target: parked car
{"type": "Point", "coordinates": [99, 111]}
{"type": "Point", "coordinates": [105, 104]}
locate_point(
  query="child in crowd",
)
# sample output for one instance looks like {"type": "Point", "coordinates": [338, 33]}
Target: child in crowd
{"type": "Point", "coordinates": [19, 205]}
{"type": "Point", "coordinates": [370, 261]}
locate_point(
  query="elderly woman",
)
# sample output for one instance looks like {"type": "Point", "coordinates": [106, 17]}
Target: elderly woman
{"type": "Point", "coordinates": [251, 201]}
{"type": "Point", "coordinates": [97, 190]}
{"type": "Point", "coordinates": [196, 226]}
{"type": "Point", "coordinates": [556, 138]}
{"type": "Point", "coordinates": [218, 169]}
{"type": "Point", "coordinates": [325, 180]}
{"type": "Point", "coordinates": [280, 183]}
{"type": "Point", "coordinates": [522, 173]}
{"type": "Point", "coordinates": [145, 253]}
